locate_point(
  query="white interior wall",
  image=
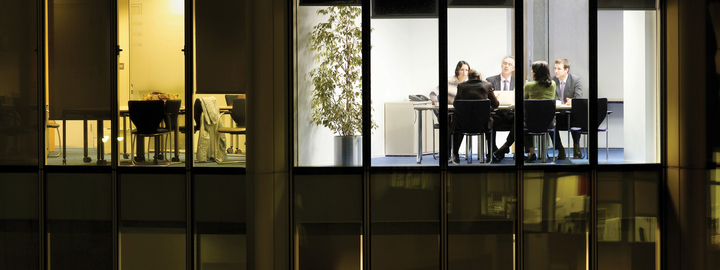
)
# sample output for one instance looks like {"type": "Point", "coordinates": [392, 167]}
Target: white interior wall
{"type": "Point", "coordinates": [639, 95]}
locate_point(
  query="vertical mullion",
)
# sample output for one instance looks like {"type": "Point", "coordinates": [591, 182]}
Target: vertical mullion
{"type": "Point", "coordinates": [366, 130]}
{"type": "Point", "coordinates": [442, 9]}
{"type": "Point", "coordinates": [189, 79]}
{"type": "Point", "coordinates": [519, 143]}
{"type": "Point", "coordinates": [443, 83]}
{"type": "Point", "coordinates": [519, 44]}
{"type": "Point", "coordinates": [40, 52]}
{"type": "Point", "coordinates": [592, 133]}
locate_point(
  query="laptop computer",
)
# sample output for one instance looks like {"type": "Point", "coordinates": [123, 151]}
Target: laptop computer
{"type": "Point", "coordinates": [505, 98]}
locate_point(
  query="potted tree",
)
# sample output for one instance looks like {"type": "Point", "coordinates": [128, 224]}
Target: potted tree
{"type": "Point", "coordinates": [337, 100]}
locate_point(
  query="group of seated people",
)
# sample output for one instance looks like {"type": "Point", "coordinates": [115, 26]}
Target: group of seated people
{"type": "Point", "coordinates": [468, 84]}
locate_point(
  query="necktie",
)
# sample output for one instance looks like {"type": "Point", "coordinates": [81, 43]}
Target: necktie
{"type": "Point", "coordinates": [506, 86]}
{"type": "Point", "coordinates": [562, 92]}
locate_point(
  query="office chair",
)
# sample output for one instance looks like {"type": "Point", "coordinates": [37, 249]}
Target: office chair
{"type": "Point", "coordinates": [579, 120]}
{"type": "Point", "coordinates": [539, 121]}
{"type": "Point", "coordinates": [229, 101]}
{"type": "Point", "coordinates": [197, 114]}
{"type": "Point", "coordinates": [147, 116]}
{"type": "Point", "coordinates": [472, 118]}
{"type": "Point", "coordinates": [238, 116]}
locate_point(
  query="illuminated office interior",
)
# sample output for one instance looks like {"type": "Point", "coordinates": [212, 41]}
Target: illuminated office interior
{"type": "Point", "coordinates": [79, 190]}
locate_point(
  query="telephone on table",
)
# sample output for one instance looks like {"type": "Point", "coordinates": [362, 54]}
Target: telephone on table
{"type": "Point", "coordinates": [418, 98]}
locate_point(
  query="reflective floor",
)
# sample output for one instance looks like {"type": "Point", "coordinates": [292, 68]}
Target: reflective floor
{"type": "Point", "coordinates": [75, 157]}
{"type": "Point", "coordinates": [616, 156]}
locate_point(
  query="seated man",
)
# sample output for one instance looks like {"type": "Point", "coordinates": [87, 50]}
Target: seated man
{"type": "Point", "coordinates": [504, 82]}
{"type": "Point", "coordinates": [473, 89]}
{"type": "Point", "coordinates": [568, 86]}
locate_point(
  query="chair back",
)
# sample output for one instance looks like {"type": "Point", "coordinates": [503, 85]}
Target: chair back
{"type": "Point", "coordinates": [172, 107]}
{"type": "Point", "coordinates": [539, 114]}
{"type": "Point", "coordinates": [238, 112]}
{"type": "Point", "coordinates": [229, 99]}
{"type": "Point", "coordinates": [579, 113]}
{"type": "Point", "coordinates": [146, 115]}
{"type": "Point", "coordinates": [197, 113]}
{"type": "Point", "coordinates": [472, 116]}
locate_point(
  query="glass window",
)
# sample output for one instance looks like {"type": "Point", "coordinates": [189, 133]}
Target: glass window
{"type": "Point", "coordinates": [489, 56]}
{"type": "Point", "coordinates": [627, 77]}
{"type": "Point", "coordinates": [555, 209]}
{"type": "Point", "coordinates": [80, 59]}
{"type": "Point", "coordinates": [220, 222]}
{"type": "Point", "coordinates": [79, 221]}
{"type": "Point", "coordinates": [405, 221]}
{"type": "Point", "coordinates": [151, 66]}
{"type": "Point", "coordinates": [221, 81]}
{"type": "Point", "coordinates": [152, 221]}
{"type": "Point", "coordinates": [328, 89]}
{"type": "Point", "coordinates": [627, 231]}
{"type": "Point", "coordinates": [19, 233]}
{"type": "Point", "coordinates": [714, 228]}
{"type": "Point", "coordinates": [481, 220]}
{"type": "Point", "coordinates": [328, 211]}
{"type": "Point", "coordinates": [558, 69]}
{"type": "Point", "coordinates": [18, 83]}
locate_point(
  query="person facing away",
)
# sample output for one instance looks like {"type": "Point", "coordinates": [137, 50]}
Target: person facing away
{"type": "Point", "coordinates": [473, 89]}
{"type": "Point", "coordinates": [567, 87]}
{"type": "Point", "coordinates": [504, 82]}
{"type": "Point", "coordinates": [542, 87]}
{"type": "Point", "coordinates": [461, 75]}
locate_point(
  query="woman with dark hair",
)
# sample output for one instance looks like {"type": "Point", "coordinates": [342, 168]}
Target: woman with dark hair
{"type": "Point", "coordinates": [542, 87]}
{"type": "Point", "coordinates": [461, 75]}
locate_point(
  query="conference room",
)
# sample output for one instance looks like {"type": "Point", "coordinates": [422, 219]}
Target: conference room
{"type": "Point", "coordinates": [161, 94]}
{"type": "Point", "coordinates": [408, 63]}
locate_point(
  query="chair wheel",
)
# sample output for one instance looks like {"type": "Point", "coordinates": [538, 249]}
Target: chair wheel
{"type": "Point", "coordinates": [126, 156]}
{"type": "Point", "coordinates": [87, 159]}
{"type": "Point", "coordinates": [139, 159]}
{"type": "Point", "coordinates": [230, 150]}
{"type": "Point", "coordinates": [176, 159]}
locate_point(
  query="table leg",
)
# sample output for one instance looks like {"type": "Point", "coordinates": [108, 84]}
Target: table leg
{"type": "Point", "coordinates": [64, 143]}
{"type": "Point", "coordinates": [86, 159]}
{"type": "Point", "coordinates": [101, 145]}
{"type": "Point", "coordinates": [419, 136]}
{"type": "Point", "coordinates": [125, 137]}
{"type": "Point", "coordinates": [177, 146]}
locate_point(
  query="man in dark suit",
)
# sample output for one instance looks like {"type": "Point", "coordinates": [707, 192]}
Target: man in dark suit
{"type": "Point", "coordinates": [567, 87]}
{"type": "Point", "coordinates": [473, 89]}
{"type": "Point", "coordinates": [506, 118]}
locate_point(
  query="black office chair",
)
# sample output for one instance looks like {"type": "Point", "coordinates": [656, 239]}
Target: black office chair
{"type": "Point", "coordinates": [197, 114]}
{"type": "Point", "coordinates": [238, 116]}
{"type": "Point", "coordinates": [472, 118]}
{"type": "Point", "coordinates": [147, 116]}
{"type": "Point", "coordinates": [539, 121]}
{"type": "Point", "coordinates": [172, 109]}
{"type": "Point", "coordinates": [579, 120]}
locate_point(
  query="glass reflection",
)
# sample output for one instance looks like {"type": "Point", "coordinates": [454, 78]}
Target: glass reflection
{"type": "Point", "coordinates": [19, 84]}
{"type": "Point", "coordinates": [481, 218]}
{"type": "Point", "coordinates": [220, 222]}
{"type": "Point", "coordinates": [556, 209]}
{"type": "Point", "coordinates": [152, 221]}
{"type": "Point", "coordinates": [19, 227]}
{"type": "Point", "coordinates": [628, 231]}
{"type": "Point", "coordinates": [405, 221]}
{"type": "Point", "coordinates": [328, 221]}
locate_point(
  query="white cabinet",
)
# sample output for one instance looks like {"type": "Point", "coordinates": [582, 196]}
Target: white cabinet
{"type": "Point", "coordinates": [401, 129]}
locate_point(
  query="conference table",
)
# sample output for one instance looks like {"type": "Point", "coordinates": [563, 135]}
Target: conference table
{"type": "Point", "coordinates": [419, 108]}
{"type": "Point", "coordinates": [125, 114]}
